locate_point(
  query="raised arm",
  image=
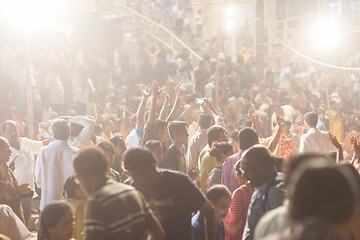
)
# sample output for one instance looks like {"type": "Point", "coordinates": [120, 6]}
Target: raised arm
{"type": "Point", "coordinates": [156, 93]}
{"type": "Point", "coordinates": [140, 121]}
{"type": "Point", "coordinates": [338, 146]}
{"type": "Point", "coordinates": [275, 140]}
{"type": "Point", "coordinates": [174, 110]}
{"type": "Point", "coordinates": [165, 108]}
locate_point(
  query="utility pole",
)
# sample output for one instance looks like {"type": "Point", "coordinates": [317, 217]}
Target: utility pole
{"type": "Point", "coordinates": [259, 40]}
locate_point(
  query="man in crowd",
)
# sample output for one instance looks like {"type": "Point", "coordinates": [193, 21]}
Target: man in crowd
{"type": "Point", "coordinates": [171, 195]}
{"type": "Point", "coordinates": [22, 155]}
{"type": "Point", "coordinates": [113, 210]}
{"type": "Point", "coordinates": [54, 164]}
{"type": "Point", "coordinates": [220, 198]}
{"type": "Point", "coordinates": [314, 140]}
{"type": "Point", "coordinates": [247, 138]}
{"type": "Point", "coordinates": [258, 166]}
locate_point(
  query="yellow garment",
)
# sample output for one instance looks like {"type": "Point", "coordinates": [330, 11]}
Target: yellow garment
{"type": "Point", "coordinates": [79, 211]}
{"type": "Point", "coordinates": [336, 124]}
{"type": "Point", "coordinates": [208, 163]}
{"type": "Point", "coordinates": [106, 137]}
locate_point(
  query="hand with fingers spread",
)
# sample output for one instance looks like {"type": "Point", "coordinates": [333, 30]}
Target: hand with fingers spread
{"type": "Point", "coordinates": [252, 117]}
{"type": "Point", "coordinates": [334, 141]}
{"type": "Point", "coordinates": [156, 91]}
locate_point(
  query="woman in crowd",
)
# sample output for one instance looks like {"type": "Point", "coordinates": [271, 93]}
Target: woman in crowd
{"type": "Point", "coordinates": [236, 218]}
{"type": "Point", "coordinates": [56, 222]}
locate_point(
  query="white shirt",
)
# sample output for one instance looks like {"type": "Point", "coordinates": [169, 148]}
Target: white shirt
{"type": "Point", "coordinates": [195, 146]}
{"type": "Point", "coordinates": [54, 165]}
{"type": "Point", "coordinates": [11, 225]}
{"type": "Point", "coordinates": [24, 160]}
{"type": "Point", "coordinates": [316, 141]}
{"type": "Point", "coordinates": [83, 139]}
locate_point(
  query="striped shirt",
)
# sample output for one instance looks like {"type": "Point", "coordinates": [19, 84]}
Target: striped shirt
{"type": "Point", "coordinates": [117, 211]}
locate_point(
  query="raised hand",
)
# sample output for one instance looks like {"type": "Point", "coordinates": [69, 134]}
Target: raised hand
{"type": "Point", "coordinates": [334, 141]}
{"type": "Point", "coordinates": [155, 90]}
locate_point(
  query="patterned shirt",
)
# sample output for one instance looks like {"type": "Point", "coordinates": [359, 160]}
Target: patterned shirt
{"type": "Point", "coordinates": [117, 211]}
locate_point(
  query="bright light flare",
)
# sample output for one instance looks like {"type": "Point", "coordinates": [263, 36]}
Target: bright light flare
{"type": "Point", "coordinates": [325, 33]}
{"type": "Point", "coordinates": [32, 15]}
{"type": "Point", "coordinates": [229, 11]}
{"type": "Point", "coordinates": [229, 25]}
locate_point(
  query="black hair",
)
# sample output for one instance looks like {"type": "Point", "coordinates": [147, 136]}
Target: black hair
{"type": "Point", "coordinates": [138, 159]}
{"type": "Point", "coordinates": [91, 162]}
{"type": "Point", "coordinates": [115, 140]}
{"type": "Point", "coordinates": [205, 121]}
{"type": "Point", "coordinates": [220, 148]}
{"type": "Point", "coordinates": [247, 138]}
{"type": "Point", "coordinates": [216, 192]}
{"type": "Point", "coordinates": [153, 144]}
{"type": "Point", "coordinates": [70, 187]}
{"type": "Point", "coordinates": [61, 129]}
{"type": "Point", "coordinates": [6, 123]}
{"type": "Point", "coordinates": [214, 132]}
{"type": "Point", "coordinates": [107, 147]}
{"type": "Point", "coordinates": [159, 125]}
{"type": "Point", "coordinates": [311, 118]}
{"type": "Point", "coordinates": [174, 128]}
{"type": "Point", "coordinates": [50, 217]}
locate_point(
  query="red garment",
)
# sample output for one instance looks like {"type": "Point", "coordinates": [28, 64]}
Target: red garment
{"type": "Point", "coordinates": [287, 147]}
{"type": "Point", "coordinates": [238, 212]}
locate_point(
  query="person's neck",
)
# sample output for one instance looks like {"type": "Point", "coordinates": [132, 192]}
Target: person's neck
{"type": "Point", "coordinates": [177, 145]}
{"type": "Point", "coordinates": [15, 144]}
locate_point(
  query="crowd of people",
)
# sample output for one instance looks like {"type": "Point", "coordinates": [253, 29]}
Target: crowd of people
{"type": "Point", "coordinates": [140, 146]}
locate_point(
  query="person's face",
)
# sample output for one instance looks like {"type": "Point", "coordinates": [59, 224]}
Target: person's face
{"type": "Point", "coordinates": [298, 120]}
{"type": "Point", "coordinates": [163, 135]}
{"type": "Point", "coordinates": [223, 137]}
{"type": "Point", "coordinates": [11, 133]}
{"type": "Point", "coordinates": [143, 178]}
{"type": "Point", "coordinates": [222, 207]}
{"type": "Point", "coordinates": [158, 154]}
{"type": "Point", "coordinates": [64, 229]}
{"type": "Point", "coordinates": [5, 153]}
{"type": "Point", "coordinates": [252, 172]}
{"type": "Point", "coordinates": [120, 148]}
{"type": "Point", "coordinates": [182, 136]}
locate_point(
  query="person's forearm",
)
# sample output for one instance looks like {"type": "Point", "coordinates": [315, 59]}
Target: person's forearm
{"type": "Point", "coordinates": [151, 118]}
{"type": "Point", "coordinates": [275, 140]}
{"type": "Point", "coordinates": [140, 113]}
{"type": "Point", "coordinates": [340, 155]}
{"type": "Point", "coordinates": [174, 110]}
{"type": "Point", "coordinates": [164, 111]}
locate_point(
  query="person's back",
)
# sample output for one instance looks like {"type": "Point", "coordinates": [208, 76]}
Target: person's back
{"type": "Point", "coordinates": [113, 210]}
{"type": "Point", "coordinates": [54, 164]}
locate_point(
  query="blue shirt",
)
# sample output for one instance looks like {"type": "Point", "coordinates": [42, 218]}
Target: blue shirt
{"type": "Point", "coordinates": [198, 228]}
{"type": "Point", "coordinates": [268, 196]}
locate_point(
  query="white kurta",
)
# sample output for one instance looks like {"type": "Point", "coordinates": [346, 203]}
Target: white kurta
{"type": "Point", "coordinates": [316, 141]}
{"type": "Point", "coordinates": [25, 161]}
{"type": "Point", "coordinates": [54, 165]}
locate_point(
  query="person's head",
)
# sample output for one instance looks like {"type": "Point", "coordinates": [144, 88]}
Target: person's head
{"type": "Point", "coordinates": [299, 119]}
{"type": "Point", "coordinates": [10, 130]}
{"type": "Point", "coordinates": [108, 126]}
{"type": "Point", "coordinates": [221, 151]}
{"type": "Point", "coordinates": [247, 138]}
{"type": "Point", "coordinates": [239, 174]}
{"type": "Point", "coordinates": [119, 145]}
{"type": "Point", "coordinates": [109, 151]}
{"type": "Point", "coordinates": [90, 166]}
{"type": "Point", "coordinates": [310, 119]}
{"type": "Point", "coordinates": [205, 121]}
{"type": "Point", "coordinates": [322, 191]}
{"type": "Point", "coordinates": [72, 189]}
{"type": "Point", "coordinates": [140, 165]}
{"type": "Point", "coordinates": [156, 149]}
{"type": "Point", "coordinates": [258, 165]}
{"type": "Point", "coordinates": [61, 129]}
{"type": "Point", "coordinates": [56, 222]}
{"type": "Point", "coordinates": [178, 132]}
{"type": "Point", "coordinates": [219, 197]}
{"type": "Point", "coordinates": [161, 130]}
{"type": "Point", "coordinates": [216, 133]}
{"type": "Point", "coordinates": [5, 150]}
